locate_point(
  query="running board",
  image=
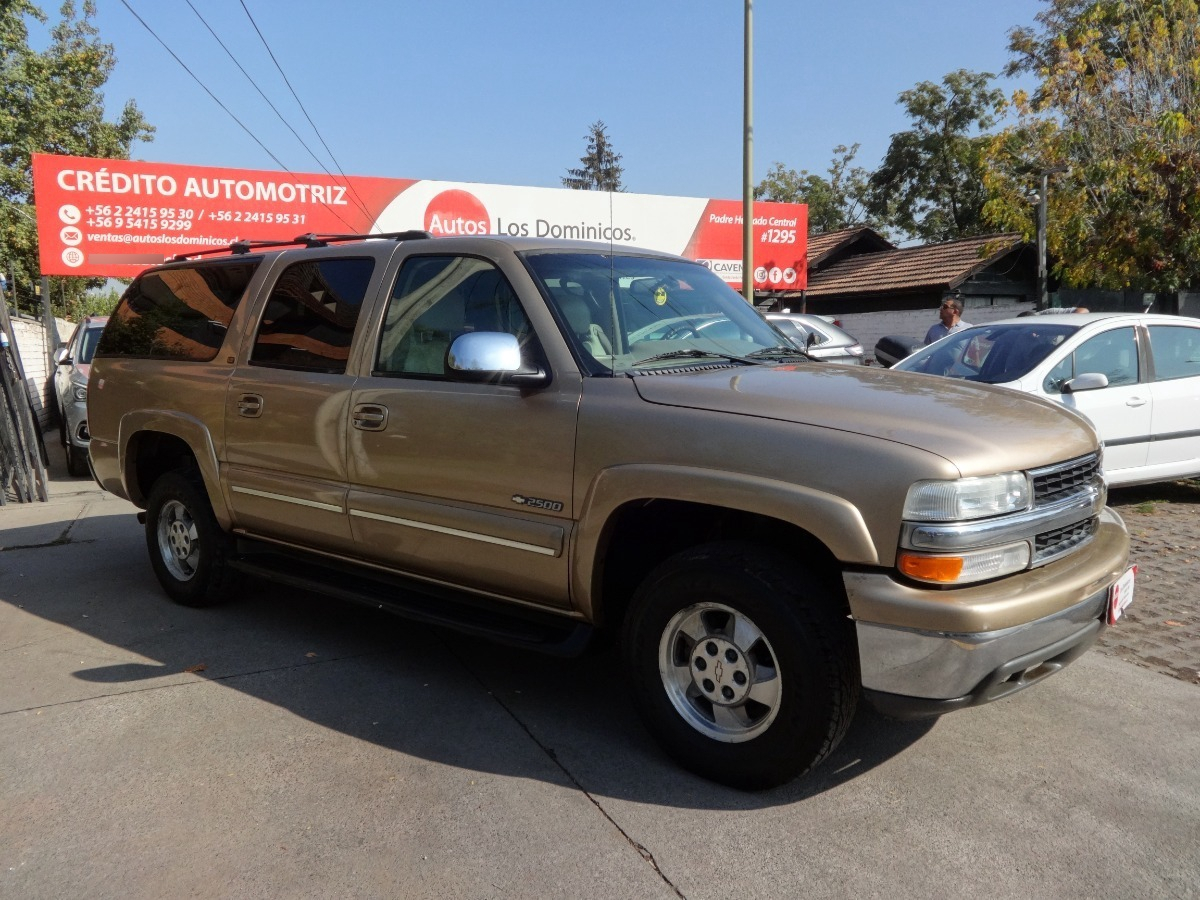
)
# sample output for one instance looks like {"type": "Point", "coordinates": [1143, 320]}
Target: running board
{"type": "Point", "coordinates": [541, 632]}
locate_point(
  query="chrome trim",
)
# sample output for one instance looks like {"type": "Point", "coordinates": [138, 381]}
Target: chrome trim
{"type": "Point", "coordinates": [455, 532]}
{"type": "Point", "coordinates": [945, 666]}
{"type": "Point", "coordinates": [1078, 462]}
{"type": "Point", "coordinates": [1063, 547]}
{"type": "Point", "coordinates": [284, 498]}
{"type": "Point", "coordinates": [1003, 529]}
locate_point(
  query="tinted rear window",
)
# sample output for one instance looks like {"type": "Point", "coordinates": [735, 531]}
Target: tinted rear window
{"type": "Point", "coordinates": [179, 313]}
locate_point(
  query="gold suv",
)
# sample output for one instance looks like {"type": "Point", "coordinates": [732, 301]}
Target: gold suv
{"type": "Point", "coordinates": [540, 440]}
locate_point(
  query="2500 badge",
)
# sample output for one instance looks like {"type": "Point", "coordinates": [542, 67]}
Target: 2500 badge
{"type": "Point", "coordinates": [538, 503]}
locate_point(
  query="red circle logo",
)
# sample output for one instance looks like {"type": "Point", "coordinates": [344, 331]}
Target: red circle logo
{"type": "Point", "coordinates": [456, 213]}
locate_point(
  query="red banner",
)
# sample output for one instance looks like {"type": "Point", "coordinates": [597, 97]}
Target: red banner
{"type": "Point", "coordinates": [109, 217]}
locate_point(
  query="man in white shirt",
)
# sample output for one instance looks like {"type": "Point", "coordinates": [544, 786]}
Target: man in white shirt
{"type": "Point", "coordinates": [951, 320]}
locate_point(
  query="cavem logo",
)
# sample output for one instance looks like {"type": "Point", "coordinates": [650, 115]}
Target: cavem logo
{"type": "Point", "coordinates": [456, 213]}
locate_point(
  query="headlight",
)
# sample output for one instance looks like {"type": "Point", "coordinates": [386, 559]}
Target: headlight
{"type": "Point", "coordinates": [968, 498]}
{"type": "Point", "coordinates": [79, 392]}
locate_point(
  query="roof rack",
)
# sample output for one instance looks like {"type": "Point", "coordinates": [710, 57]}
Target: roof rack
{"type": "Point", "coordinates": [307, 240]}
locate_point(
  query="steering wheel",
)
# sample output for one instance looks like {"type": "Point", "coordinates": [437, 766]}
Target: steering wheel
{"type": "Point", "coordinates": [681, 332]}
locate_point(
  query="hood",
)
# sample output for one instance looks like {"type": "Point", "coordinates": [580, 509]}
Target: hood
{"type": "Point", "coordinates": [980, 428]}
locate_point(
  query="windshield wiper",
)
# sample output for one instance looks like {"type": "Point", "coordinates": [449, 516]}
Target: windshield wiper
{"type": "Point", "coordinates": [778, 353]}
{"type": "Point", "coordinates": [699, 354]}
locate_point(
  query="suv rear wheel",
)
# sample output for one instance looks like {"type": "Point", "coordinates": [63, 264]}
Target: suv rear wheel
{"type": "Point", "coordinates": [744, 667]}
{"type": "Point", "coordinates": [188, 550]}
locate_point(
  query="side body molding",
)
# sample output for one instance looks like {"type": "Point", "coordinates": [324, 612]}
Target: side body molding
{"type": "Point", "coordinates": [832, 520]}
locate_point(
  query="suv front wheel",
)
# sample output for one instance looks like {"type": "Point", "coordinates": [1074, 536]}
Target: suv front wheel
{"type": "Point", "coordinates": [743, 666]}
{"type": "Point", "coordinates": [188, 550]}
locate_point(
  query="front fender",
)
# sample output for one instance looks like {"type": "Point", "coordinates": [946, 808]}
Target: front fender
{"type": "Point", "coordinates": [832, 520]}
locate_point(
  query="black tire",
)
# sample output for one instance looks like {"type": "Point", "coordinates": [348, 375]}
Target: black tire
{"type": "Point", "coordinates": [744, 665]}
{"type": "Point", "coordinates": [76, 461]}
{"type": "Point", "coordinates": [189, 552]}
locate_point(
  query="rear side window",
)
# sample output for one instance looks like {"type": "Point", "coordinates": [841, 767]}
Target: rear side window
{"type": "Point", "coordinates": [180, 313]}
{"type": "Point", "coordinates": [309, 319]}
{"type": "Point", "coordinates": [1176, 350]}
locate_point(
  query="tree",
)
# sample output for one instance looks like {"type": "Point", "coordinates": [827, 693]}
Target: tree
{"type": "Point", "coordinates": [1119, 106]}
{"type": "Point", "coordinates": [834, 203]}
{"type": "Point", "coordinates": [52, 102]}
{"type": "Point", "coordinates": [930, 184]}
{"type": "Point", "coordinates": [600, 169]}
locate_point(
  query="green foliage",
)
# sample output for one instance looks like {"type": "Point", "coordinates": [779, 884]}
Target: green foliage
{"type": "Point", "coordinates": [52, 102]}
{"type": "Point", "coordinates": [601, 169]}
{"type": "Point", "coordinates": [930, 184]}
{"type": "Point", "coordinates": [1119, 104]}
{"type": "Point", "coordinates": [834, 203]}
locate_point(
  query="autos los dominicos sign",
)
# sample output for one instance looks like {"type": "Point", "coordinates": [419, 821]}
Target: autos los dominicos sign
{"type": "Point", "coordinates": [111, 217]}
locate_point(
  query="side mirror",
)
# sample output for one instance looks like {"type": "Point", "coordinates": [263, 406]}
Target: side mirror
{"type": "Point", "coordinates": [1088, 381]}
{"type": "Point", "coordinates": [62, 356]}
{"type": "Point", "coordinates": [488, 355]}
{"type": "Point", "coordinates": [811, 341]}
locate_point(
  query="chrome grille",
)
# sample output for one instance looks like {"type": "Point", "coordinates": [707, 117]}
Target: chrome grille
{"type": "Point", "coordinates": [1051, 544]}
{"type": "Point", "coordinates": [1055, 482]}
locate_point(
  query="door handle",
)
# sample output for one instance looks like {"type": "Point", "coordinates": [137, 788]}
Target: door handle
{"type": "Point", "coordinates": [369, 417]}
{"type": "Point", "coordinates": [250, 406]}
{"type": "Point", "coordinates": [1135, 401]}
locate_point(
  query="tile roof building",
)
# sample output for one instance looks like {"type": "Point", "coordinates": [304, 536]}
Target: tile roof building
{"type": "Point", "coordinates": [857, 271]}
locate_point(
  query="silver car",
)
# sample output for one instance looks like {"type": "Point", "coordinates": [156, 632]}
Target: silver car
{"type": "Point", "coordinates": [828, 341]}
{"type": "Point", "coordinates": [74, 362]}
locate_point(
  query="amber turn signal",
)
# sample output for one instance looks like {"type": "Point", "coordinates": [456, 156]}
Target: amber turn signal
{"type": "Point", "coordinates": [942, 569]}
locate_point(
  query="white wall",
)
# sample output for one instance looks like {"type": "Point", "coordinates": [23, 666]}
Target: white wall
{"type": "Point", "coordinates": [31, 342]}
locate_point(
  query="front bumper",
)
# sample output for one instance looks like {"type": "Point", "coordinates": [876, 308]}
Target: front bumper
{"type": "Point", "coordinates": [75, 425]}
{"type": "Point", "coordinates": [994, 638]}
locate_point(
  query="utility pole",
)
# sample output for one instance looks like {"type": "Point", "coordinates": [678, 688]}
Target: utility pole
{"type": "Point", "coordinates": [748, 156]}
{"type": "Point", "coordinates": [1043, 293]}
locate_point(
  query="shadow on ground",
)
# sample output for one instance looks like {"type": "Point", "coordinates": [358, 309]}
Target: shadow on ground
{"type": "Point", "coordinates": [419, 690]}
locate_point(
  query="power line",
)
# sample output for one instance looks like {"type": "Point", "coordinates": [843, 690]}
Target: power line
{"type": "Point", "coordinates": [316, 130]}
{"type": "Point", "coordinates": [217, 100]}
{"type": "Point", "coordinates": [362, 208]}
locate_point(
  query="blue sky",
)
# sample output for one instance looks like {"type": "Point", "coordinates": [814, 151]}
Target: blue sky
{"type": "Point", "coordinates": [504, 92]}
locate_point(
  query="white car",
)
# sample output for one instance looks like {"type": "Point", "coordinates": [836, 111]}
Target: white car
{"type": "Point", "coordinates": [1135, 375]}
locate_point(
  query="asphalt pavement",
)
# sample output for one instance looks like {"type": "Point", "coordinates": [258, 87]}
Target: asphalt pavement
{"type": "Point", "coordinates": [286, 745]}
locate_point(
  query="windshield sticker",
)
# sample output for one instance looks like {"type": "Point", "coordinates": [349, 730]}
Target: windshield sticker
{"type": "Point", "coordinates": [660, 296]}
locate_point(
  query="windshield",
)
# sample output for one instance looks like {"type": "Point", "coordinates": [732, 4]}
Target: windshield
{"type": "Point", "coordinates": [993, 354]}
{"type": "Point", "coordinates": [87, 344]}
{"type": "Point", "coordinates": [633, 313]}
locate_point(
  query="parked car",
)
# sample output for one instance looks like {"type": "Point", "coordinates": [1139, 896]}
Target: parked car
{"type": "Point", "coordinates": [831, 344]}
{"type": "Point", "coordinates": [73, 363]}
{"type": "Point", "coordinates": [892, 348]}
{"type": "Point", "coordinates": [1136, 376]}
{"type": "Point", "coordinates": [544, 440]}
